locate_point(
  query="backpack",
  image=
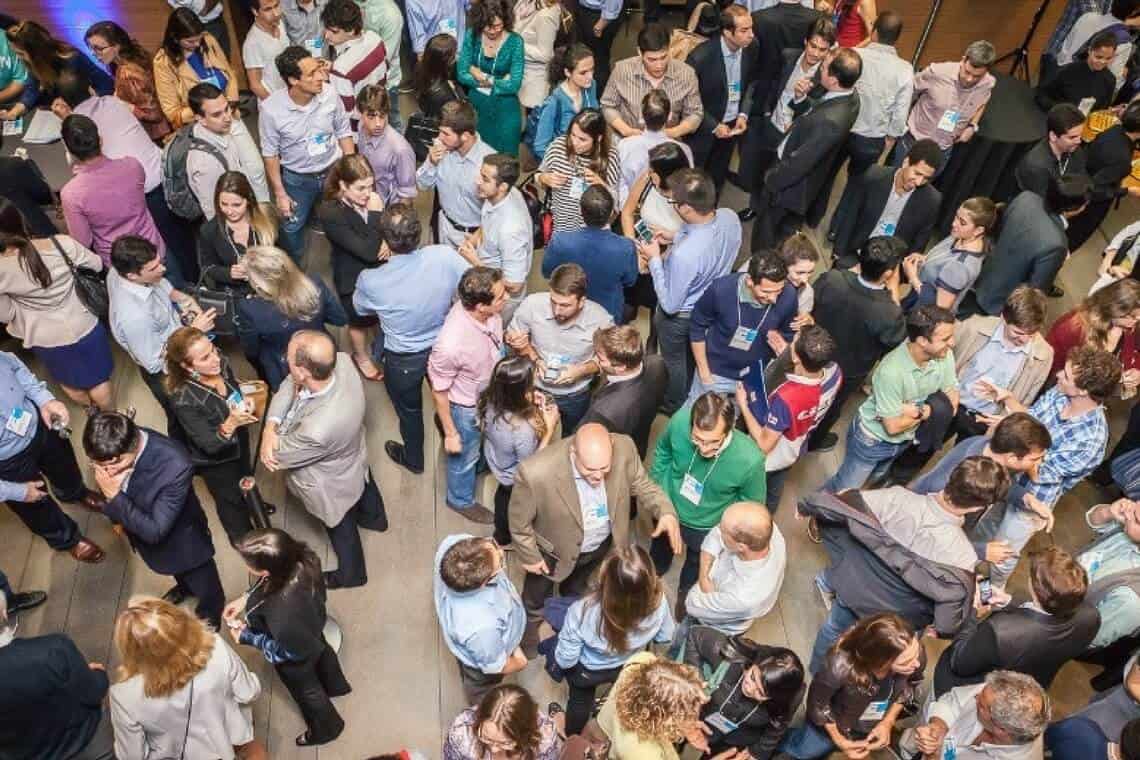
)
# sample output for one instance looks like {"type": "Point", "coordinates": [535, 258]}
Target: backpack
{"type": "Point", "coordinates": [530, 131]}
{"type": "Point", "coordinates": [175, 181]}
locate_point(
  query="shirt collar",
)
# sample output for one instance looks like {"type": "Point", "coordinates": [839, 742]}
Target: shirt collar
{"type": "Point", "coordinates": [998, 335]}
{"type": "Point", "coordinates": [625, 378]}
{"type": "Point", "coordinates": [870, 285]}
{"type": "Point", "coordinates": [745, 294]}
{"type": "Point", "coordinates": [307, 394]}
{"type": "Point", "coordinates": [137, 290]}
{"type": "Point", "coordinates": [725, 51]}
{"type": "Point", "coordinates": [483, 327]}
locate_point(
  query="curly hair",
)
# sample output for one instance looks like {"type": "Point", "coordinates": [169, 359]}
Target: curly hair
{"type": "Point", "coordinates": [658, 699]}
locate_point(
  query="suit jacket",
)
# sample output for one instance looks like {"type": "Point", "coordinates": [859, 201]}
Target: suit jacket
{"type": "Point", "coordinates": [629, 407]}
{"type": "Point", "coordinates": [545, 512]}
{"type": "Point", "coordinates": [862, 204]}
{"type": "Point", "coordinates": [811, 153]}
{"type": "Point", "coordinates": [354, 243]}
{"type": "Point", "coordinates": [789, 57]}
{"type": "Point", "coordinates": [1108, 162]}
{"type": "Point", "coordinates": [707, 60]}
{"type": "Point", "coordinates": [322, 443]}
{"type": "Point", "coordinates": [776, 29]}
{"type": "Point", "coordinates": [160, 511]}
{"type": "Point", "coordinates": [1036, 167]}
{"type": "Point", "coordinates": [1030, 248]}
{"type": "Point", "coordinates": [217, 252]}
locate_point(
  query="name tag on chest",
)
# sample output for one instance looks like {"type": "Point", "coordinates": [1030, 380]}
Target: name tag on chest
{"type": "Point", "coordinates": [692, 489]}
{"type": "Point", "coordinates": [734, 92]}
{"type": "Point", "coordinates": [19, 421]}
{"type": "Point", "coordinates": [949, 120]}
{"type": "Point", "coordinates": [743, 338]}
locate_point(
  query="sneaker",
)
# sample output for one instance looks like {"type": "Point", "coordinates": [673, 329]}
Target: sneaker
{"type": "Point", "coordinates": [476, 513]}
{"type": "Point", "coordinates": [826, 595]}
{"type": "Point", "coordinates": [827, 442]}
{"type": "Point", "coordinates": [813, 531]}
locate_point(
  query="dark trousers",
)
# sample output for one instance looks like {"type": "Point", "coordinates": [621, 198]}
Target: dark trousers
{"type": "Point", "coordinates": [476, 683]}
{"type": "Point", "coordinates": [662, 555]}
{"type": "Point", "coordinates": [677, 353]}
{"type": "Point", "coordinates": [222, 480]}
{"type": "Point", "coordinates": [173, 426]}
{"type": "Point", "coordinates": [404, 380]}
{"type": "Point", "coordinates": [761, 142]}
{"type": "Point", "coordinates": [571, 409]}
{"type": "Point", "coordinates": [217, 27]}
{"type": "Point", "coordinates": [5, 587]}
{"type": "Point", "coordinates": [584, 20]}
{"type": "Point", "coordinates": [849, 386]}
{"type": "Point", "coordinates": [773, 224]}
{"type": "Point", "coordinates": [538, 588]}
{"type": "Point", "coordinates": [178, 235]}
{"type": "Point", "coordinates": [908, 464]}
{"type": "Point", "coordinates": [367, 512]}
{"type": "Point", "coordinates": [774, 487]}
{"type": "Point", "coordinates": [205, 585]}
{"type": "Point", "coordinates": [863, 153]}
{"type": "Point", "coordinates": [311, 683]}
{"type": "Point", "coordinates": [502, 519]}
{"type": "Point", "coordinates": [714, 155]}
{"type": "Point", "coordinates": [50, 457]}
{"type": "Point", "coordinates": [584, 684]}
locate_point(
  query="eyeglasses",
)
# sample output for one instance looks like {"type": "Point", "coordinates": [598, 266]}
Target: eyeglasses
{"type": "Point", "coordinates": [98, 48]}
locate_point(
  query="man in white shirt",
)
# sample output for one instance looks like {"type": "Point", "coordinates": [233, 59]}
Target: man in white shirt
{"type": "Point", "coordinates": [742, 569]}
{"type": "Point", "coordinates": [453, 168]}
{"type": "Point", "coordinates": [220, 135]}
{"type": "Point", "coordinates": [266, 40]}
{"type": "Point", "coordinates": [633, 152]}
{"type": "Point", "coordinates": [885, 91]}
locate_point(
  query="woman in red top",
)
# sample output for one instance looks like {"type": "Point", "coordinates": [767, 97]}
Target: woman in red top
{"type": "Point", "coordinates": [853, 19]}
{"type": "Point", "coordinates": [1106, 320]}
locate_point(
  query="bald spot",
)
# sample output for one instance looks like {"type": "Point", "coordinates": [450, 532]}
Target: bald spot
{"type": "Point", "coordinates": [317, 345]}
{"type": "Point", "coordinates": [593, 446]}
{"type": "Point", "coordinates": [750, 523]}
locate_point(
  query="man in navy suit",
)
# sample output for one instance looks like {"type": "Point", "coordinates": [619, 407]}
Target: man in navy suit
{"type": "Point", "coordinates": [145, 478]}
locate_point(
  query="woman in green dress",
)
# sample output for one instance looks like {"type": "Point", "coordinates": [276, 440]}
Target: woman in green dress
{"type": "Point", "coordinates": [491, 68]}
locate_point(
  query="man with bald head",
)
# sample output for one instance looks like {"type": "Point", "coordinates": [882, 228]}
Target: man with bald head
{"type": "Point", "coordinates": [742, 569]}
{"type": "Point", "coordinates": [314, 429]}
{"type": "Point", "coordinates": [570, 506]}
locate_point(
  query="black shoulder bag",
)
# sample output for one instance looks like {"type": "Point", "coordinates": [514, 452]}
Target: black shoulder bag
{"type": "Point", "coordinates": [90, 285]}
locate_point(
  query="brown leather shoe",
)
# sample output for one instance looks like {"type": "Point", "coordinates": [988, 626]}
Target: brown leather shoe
{"type": "Point", "coordinates": [87, 550]}
{"type": "Point", "coordinates": [93, 501]}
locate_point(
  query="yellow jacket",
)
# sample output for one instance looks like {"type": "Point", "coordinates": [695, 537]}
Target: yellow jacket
{"type": "Point", "coordinates": [172, 83]}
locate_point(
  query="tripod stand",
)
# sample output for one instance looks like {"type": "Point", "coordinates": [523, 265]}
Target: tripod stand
{"type": "Point", "coordinates": [1020, 55]}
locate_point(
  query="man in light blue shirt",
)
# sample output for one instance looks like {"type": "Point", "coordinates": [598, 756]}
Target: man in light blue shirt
{"type": "Point", "coordinates": [411, 295]}
{"type": "Point", "coordinates": [31, 450]}
{"type": "Point", "coordinates": [703, 249]}
{"type": "Point", "coordinates": [480, 612]}
{"type": "Point", "coordinates": [453, 168]}
{"type": "Point", "coordinates": [1113, 565]}
{"type": "Point", "coordinates": [596, 22]}
{"type": "Point", "coordinates": [427, 18]}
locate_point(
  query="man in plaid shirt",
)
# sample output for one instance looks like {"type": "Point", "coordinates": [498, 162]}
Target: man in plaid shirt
{"type": "Point", "coordinates": [1073, 413]}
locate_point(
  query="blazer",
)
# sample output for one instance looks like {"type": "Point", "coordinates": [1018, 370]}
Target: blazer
{"type": "Point", "coordinates": [1039, 165]}
{"type": "Point", "coordinates": [971, 336]}
{"type": "Point", "coordinates": [160, 511]}
{"type": "Point", "coordinates": [354, 243]}
{"type": "Point", "coordinates": [218, 712]}
{"type": "Point", "coordinates": [52, 316]}
{"type": "Point", "coordinates": [294, 616]}
{"type": "Point", "coordinates": [629, 407]}
{"type": "Point", "coordinates": [439, 93]}
{"type": "Point", "coordinates": [811, 153]}
{"type": "Point", "coordinates": [707, 60]}
{"type": "Point", "coordinates": [22, 182]}
{"type": "Point", "coordinates": [863, 203]}
{"type": "Point", "coordinates": [546, 516]}
{"type": "Point", "coordinates": [51, 702]}
{"type": "Point", "coordinates": [1030, 248]}
{"type": "Point", "coordinates": [321, 443]}
{"type": "Point", "coordinates": [217, 252]}
{"type": "Point", "coordinates": [776, 29]}
{"type": "Point", "coordinates": [1109, 161]}
{"type": "Point", "coordinates": [264, 331]}
{"type": "Point", "coordinates": [201, 411]}
{"type": "Point", "coordinates": [172, 83]}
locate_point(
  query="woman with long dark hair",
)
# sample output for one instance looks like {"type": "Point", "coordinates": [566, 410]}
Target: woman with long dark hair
{"type": "Point", "coordinates": [40, 306]}
{"type": "Point", "coordinates": [491, 68]}
{"type": "Point", "coordinates": [571, 76]}
{"type": "Point", "coordinates": [133, 69]}
{"type": "Point", "coordinates": [517, 420]}
{"type": "Point", "coordinates": [240, 222]}
{"type": "Point", "coordinates": [625, 610]}
{"type": "Point", "coordinates": [944, 274]}
{"type": "Point", "coordinates": [582, 158]}
{"type": "Point", "coordinates": [505, 725]}
{"type": "Point", "coordinates": [189, 56]}
{"type": "Point", "coordinates": [283, 615]}
{"type": "Point", "coordinates": [47, 58]}
{"type": "Point", "coordinates": [435, 75]}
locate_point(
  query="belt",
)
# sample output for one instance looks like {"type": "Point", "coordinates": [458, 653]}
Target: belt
{"type": "Point", "coordinates": [320, 173]}
{"type": "Point", "coordinates": [457, 225]}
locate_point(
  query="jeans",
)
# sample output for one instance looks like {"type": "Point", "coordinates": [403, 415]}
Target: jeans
{"type": "Point", "coordinates": [807, 742]}
{"type": "Point", "coordinates": [572, 408]}
{"type": "Point", "coordinates": [404, 380]}
{"type": "Point", "coordinates": [305, 190]}
{"type": "Point", "coordinates": [662, 555]}
{"type": "Point", "coordinates": [838, 620]}
{"type": "Point", "coordinates": [52, 458]}
{"type": "Point", "coordinates": [461, 466]}
{"type": "Point", "coordinates": [719, 384]}
{"type": "Point", "coordinates": [584, 684]}
{"type": "Point", "coordinates": [867, 457]}
{"type": "Point", "coordinates": [394, 119]}
{"type": "Point", "coordinates": [775, 487]}
{"type": "Point", "coordinates": [677, 353]}
{"type": "Point", "coordinates": [178, 236]}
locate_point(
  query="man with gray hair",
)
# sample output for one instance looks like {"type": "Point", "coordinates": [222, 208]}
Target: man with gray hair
{"type": "Point", "coordinates": [1001, 719]}
{"type": "Point", "coordinates": [949, 100]}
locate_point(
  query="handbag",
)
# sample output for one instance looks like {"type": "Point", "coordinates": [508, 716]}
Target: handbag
{"type": "Point", "coordinates": [538, 204]}
{"type": "Point", "coordinates": [421, 133]}
{"type": "Point", "coordinates": [90, 285]}
{"type": "Point", "coordinates": [222, 301]}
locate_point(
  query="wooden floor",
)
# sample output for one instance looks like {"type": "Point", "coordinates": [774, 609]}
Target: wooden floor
{"type": "Point", "coordinates": [405, 683]}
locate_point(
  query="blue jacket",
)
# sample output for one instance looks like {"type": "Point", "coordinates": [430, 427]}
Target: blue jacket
{"type": "Point", "coordinates": [719, 311]}
{"type": "Point", "coordinates": [609, 259]}
{"type": "Point", "coordinates": [557, 113]}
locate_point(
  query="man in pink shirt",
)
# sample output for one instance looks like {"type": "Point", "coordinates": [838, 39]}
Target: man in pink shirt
{"type": "Point", "coordinates": [106, 198]}
{"type": "Point", "coordinates": [459, 369]}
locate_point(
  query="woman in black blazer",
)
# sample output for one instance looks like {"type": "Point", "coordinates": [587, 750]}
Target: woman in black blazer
{"type": "Point", "coordinates": [283, 615]}
{"type": "Point", "coordinates": [239, 222]}
{"type": "Point", "coordinates": [207, 400]}
{"type": "Point", "coordinates": [435, 76]}
{"type": "Point", "coordinates": [351, 218]}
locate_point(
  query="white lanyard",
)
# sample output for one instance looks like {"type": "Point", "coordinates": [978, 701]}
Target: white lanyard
{"type": "Point", "coordinates": [710, 471]}
{"type": "Point", "coordinates": [727, 699]}
{"type": "Point", "coordinates": [740, 315]}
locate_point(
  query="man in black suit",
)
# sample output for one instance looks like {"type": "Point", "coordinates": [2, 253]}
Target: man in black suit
{"type": "Point", "coordinates": [783, 26]}
{"type": "Point", "coordinates": [1058, 153]}
{"type": "Point", "coordinates": [726, 68]}
{"type": "Point", "coordinates": [886, 201]}
{"type": "Point", "coordinates": [809, 153]}
{"type": "Point", "coordinates": [634, 389]}
{"type": "Point", "coordinates": [146, 479]}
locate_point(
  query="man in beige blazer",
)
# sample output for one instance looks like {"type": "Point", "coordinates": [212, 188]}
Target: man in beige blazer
{"type": "Point", "coordinates": [570, 506]}
{"type": "Point", "coordinates": [314, 429]}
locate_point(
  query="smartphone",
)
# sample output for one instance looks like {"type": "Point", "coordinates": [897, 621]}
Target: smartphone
{"type": "Point", "coordinates": [985, 591]}
{"type": "Point", "coordinates": [641, 229]}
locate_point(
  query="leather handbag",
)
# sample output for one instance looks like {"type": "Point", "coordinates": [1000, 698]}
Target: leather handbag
{"type": "Point", "coordinates": [90, 285]}
{"type": "Point", "coordinates": [538, 204]}
{"type": "Point", "coordinates": [420, 134]}
{"type": "Point", "coordinates": [223, 302]}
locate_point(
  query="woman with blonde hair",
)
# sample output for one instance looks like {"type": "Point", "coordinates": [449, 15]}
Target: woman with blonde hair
{"type": "Point", "coordinates": [505, 725]}
{"type": "Point", "coordinates": [239, 222]}
{"type": "Point", "coordinates": [182, 691]}
{"type": "Point", "coordinates": [284, 300]}
{"type": "Point", "coordinates": [133, 69]}
{"type": "Point", "coordinates": [1105, 320]}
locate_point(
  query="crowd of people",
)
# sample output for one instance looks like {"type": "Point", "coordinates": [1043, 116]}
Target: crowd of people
{"type": "Point", "coordinates": [189, 243]}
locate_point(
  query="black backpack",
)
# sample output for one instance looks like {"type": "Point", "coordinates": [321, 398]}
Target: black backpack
{"type": "Point", "coordinates": [175, 181]}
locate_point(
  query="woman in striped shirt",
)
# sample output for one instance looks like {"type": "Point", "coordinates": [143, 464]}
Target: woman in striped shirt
{"type": "Point", "coordinates": [583, 157]}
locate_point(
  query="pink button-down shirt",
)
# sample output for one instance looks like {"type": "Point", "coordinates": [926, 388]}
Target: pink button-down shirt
{"type": "Point", "coordinates": [106, 200]}
{"type": "Point", "coordinates": [464, 355]}
{"type": "Point", "coordinates": [943, 107]}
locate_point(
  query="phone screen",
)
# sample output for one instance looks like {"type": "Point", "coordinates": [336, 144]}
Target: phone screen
{"type": "Point", "coordinates": [986, 591]}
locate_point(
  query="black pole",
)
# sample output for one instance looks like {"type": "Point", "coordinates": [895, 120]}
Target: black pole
{"type": "Point", "coordinates": [1020, 55]}
{"type": "Point", "coordinates": [934, 8]}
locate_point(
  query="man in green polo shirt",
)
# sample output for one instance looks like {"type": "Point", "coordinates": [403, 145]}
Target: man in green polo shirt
{"type": "Point", "coordinates": [704, 467]}
{"type": "Point", "coordinates": [900, 387]}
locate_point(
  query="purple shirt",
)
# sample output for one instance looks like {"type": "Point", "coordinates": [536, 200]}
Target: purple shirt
{"type": "Point", "coordinates": [122, 135]}
{"type": "Point", "coordinates": [106, 200]}
{"type": "Point", "coordinates": [393, 162]}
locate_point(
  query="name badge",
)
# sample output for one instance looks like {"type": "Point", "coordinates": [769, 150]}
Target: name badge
{"type": "Point", "coordinates": [19, 421]}
{"type": "Point", "coordinates": [721, 723]}
{"type": "Point", "coordinates": [743, 338]}
{"type": "Point", "coordinates": [316, 46]}
{"type": "Point", "coordinates": [1086, 105]}
{"type": "Point", "coordinates": [888, 228]}
{"type": "Point", "coordinates": [235, 399]}
{"type": "Point", "coordinates": [447, 26]}
{"type": "Point", "coordinates": [213, 78]}
{"type": "Point", "coordinates": [1092, 561]}
{"type": "Point", "coordinates": [691, 488]}
{"type": "Point", "coordinates": [596, 516]}
{"type": "Point", "coordinates": [949, 748]}
{"type": "Point", "coordinates": [734, 92]}
{"type": "Point", "coordinates": [875, 711]}
{"type": "Point", "coordinates": [319, 144]}
{"type": "Point", "coordinates": [949, 121]}
{"type": "Point", "coordinates": [485, 91]}
{"type": "Point", "coordinates": [577, 187]}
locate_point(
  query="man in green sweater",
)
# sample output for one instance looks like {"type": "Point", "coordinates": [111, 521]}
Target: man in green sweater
{"type": "Point", "coordinates": [703, 467]}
